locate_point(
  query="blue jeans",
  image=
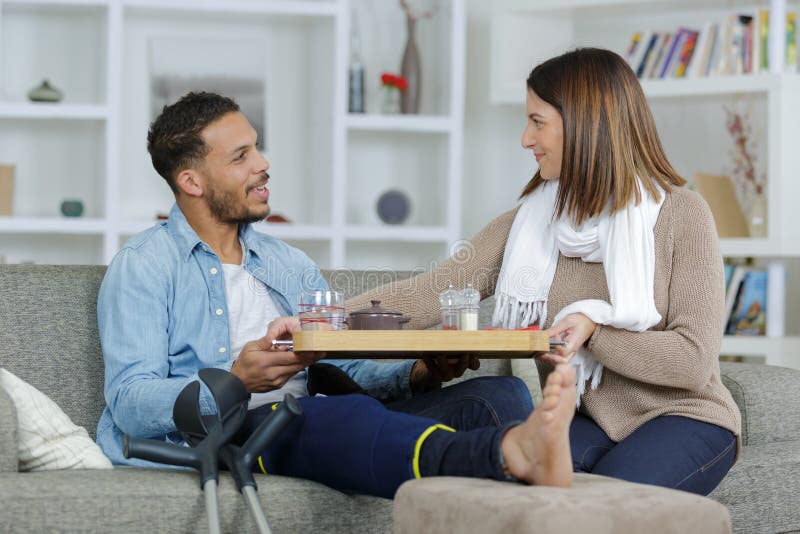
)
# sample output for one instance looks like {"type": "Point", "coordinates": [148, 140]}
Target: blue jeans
{"type": "Point", "coordinates": [489, 401]}
{"type": "Point", "coordinates": [670, 451]}
{"type": "Point", "coordinates": [356, 444]}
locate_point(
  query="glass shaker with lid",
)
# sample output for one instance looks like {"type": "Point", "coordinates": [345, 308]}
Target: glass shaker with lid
{"type": "Point", "coordinates": [449, 301]}
{"type": "Point", "coordinates": [470, 307]}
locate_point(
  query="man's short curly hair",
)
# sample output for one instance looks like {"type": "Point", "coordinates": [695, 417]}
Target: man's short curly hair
{"type": "Point", "coordinates": [174, 141]}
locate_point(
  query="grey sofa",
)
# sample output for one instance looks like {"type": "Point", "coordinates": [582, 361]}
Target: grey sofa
{"type": "Point", "coordinates": [48, 337]}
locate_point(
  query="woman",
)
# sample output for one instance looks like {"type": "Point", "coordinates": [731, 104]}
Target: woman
{"type": "Point", "coordinates": [609, 253]}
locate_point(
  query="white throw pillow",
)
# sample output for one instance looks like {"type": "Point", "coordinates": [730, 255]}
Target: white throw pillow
{"type": "Point", "coordinates": [48, 439]}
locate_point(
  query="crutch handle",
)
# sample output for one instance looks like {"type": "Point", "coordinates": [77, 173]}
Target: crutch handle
{"type": "Point", "coordinates": [158, 451]}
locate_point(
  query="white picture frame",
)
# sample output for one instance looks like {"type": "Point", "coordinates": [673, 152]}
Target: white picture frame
{"type": "Point", "coordinates": [234, 67]}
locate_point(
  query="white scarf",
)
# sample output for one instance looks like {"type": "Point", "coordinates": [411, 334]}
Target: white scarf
{"type": "Point", "coordinates": [623, 242]}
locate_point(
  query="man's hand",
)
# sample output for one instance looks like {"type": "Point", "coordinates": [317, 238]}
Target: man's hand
{"type": "Point", "coordinates": [262, 367]}
{"type": "Point", "coordinates": [429, 372]}
{"type": "Point", "coordinates": [575, 329]}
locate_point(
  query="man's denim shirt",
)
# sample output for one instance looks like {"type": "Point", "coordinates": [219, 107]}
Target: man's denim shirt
{"type": "Point", "coordinates": [162, 317]}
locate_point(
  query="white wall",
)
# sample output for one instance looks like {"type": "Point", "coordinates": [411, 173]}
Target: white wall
{"type": "Point", "coordinates": [495, 166]}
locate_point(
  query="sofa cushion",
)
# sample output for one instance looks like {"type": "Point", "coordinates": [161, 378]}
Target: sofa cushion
{"type": "Point", "coordinates": [761, 489]}
{"type": "Point", "coordinates": [594, 504]}
{"type": "Point", "coordinates": [767, 398]}
{"type": "Point", "coordinates": [160, 500]}
{"type": "Point", "coordinates": [8, 433]}
{"type": "Point", "coordinates": [46, 438]}
{"type": "Point", "coordinates": [49, 337]}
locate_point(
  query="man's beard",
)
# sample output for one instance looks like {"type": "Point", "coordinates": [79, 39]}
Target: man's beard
{"type": "Point", "coordinates": [225, 207]}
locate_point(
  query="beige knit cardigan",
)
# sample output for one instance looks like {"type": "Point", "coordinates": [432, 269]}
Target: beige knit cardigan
{"type": "Point", "coordinates": [671, 369]}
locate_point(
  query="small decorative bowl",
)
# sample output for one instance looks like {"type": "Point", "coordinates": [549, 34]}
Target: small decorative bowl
{"type": "Point", "coordinates": [72, 208]}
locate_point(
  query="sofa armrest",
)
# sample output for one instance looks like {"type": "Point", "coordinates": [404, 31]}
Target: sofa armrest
{"type": "Point", "coordinates": [9, 460]}
{"type": "Point", "coordinates": [768, 398]}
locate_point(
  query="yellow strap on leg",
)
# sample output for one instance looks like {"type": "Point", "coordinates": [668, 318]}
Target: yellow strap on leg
{"type": "Point", "coordinates": [418, 447]}
{"type": "Point", "coordinates": [261, 464]}
{"type": "Point", "coordinates": [260, 460]}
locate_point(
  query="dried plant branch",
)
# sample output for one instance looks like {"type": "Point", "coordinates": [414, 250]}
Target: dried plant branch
{"type": "Point", "coordinates": [421, 16]}
{"type": "Point", "coordinates": [744, 157]}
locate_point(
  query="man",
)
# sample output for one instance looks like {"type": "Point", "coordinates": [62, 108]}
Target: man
{"type": "Point", "coordinates": [198, 291]}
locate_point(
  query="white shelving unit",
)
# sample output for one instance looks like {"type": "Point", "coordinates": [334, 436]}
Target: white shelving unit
{"type": "Point", "coordinates": [684, 110]}
{"type": "Point", "coordinates": [52, 225]}
{"type": "Point", "coordinates": [324, 159]}
{"type": "Point", "coordinates": [91, 112]}
{"type": "Point", "coordinates": [399, 123]}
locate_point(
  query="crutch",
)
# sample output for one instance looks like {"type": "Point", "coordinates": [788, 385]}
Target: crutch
{"type": "Point", "coordinates": [208, 434]}
{"type": "Point", "coordinates": [241, 460]}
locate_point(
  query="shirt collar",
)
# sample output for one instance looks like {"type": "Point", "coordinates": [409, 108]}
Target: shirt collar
{"type": "Point", "coordinates": [187, 239]}
{"type": "Point", "coordinates": [248, 238]}
{"type": "Point", "coordinates": [180, 229]}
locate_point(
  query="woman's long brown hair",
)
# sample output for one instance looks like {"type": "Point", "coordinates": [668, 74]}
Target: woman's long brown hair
{"type": "Point", "coordinates": [610, 136]}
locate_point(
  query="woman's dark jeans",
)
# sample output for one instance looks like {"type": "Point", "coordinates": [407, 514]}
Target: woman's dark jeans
{"type": "Point", "coordinates": [669, 451]}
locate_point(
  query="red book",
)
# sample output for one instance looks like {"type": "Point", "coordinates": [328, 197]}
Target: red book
{"type": "Point", "coordinates": [686, 53]}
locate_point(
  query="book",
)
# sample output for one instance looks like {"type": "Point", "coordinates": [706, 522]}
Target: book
{"type": "Point", "coordinates": [732, 292]}
{"type": "Point", "coordinates": [697, 67]}
{"type": "Point", "coordinates": [746, 21]}
{"type": "Point", "coordinates": [640, 69]}
{"type": "Point", "coordinates": [728, 273]}
{"type": "Point", "coordinates": [755, 42]}
{"type": "Point", "coordinates": [6, 190]}
{"type": "Point", "coordinates": [724, 64]}
{"type": "Point", "coordinates": [790, 61]}
{"type": "Point", "coordinates": [736, 55]}
{"type": "Point", "coordinates": [636, 39]}
{"type": "Point", "coordinates": [672, 54]}
{"type": "Point", "coordinates": [639, 50]}
{"type": "Point", "coordinates": [687, 51]}
{"type": "Point", "coordinates": [663, 53]}
{"type": "Point", "coordinates": [749, 317]}
{"type": "Point", "coordinates": [657, 55]}
{"type": "Point", "coordinates": [714, 50]}
{"type": "Point", "coordinates": [776, 298]}
{"type": "Point", "coordinates": [763, 40]}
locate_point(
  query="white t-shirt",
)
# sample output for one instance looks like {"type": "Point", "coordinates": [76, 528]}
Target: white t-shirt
{"type": "Point", "coordinates": [250, 310]}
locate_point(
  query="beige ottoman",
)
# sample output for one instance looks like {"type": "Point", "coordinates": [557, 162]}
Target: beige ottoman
{"type": "Point", "coordinates": [593, 504]}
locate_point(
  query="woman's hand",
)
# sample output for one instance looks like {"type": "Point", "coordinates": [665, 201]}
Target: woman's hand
{"type": "Point", "coordinates": [575, 329]}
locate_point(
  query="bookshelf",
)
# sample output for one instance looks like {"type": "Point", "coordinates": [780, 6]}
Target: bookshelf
{"type": "Point", "coordinates": [689, 113]}
{"type": "Point", "coordinates": [329, 166]}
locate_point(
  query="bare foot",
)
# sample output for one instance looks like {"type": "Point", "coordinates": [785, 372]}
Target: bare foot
{"type": "Point", "coordinates": [537, 451]}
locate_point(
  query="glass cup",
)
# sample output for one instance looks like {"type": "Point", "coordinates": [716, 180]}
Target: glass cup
{"type": "Point", "coordinates": [321, 310]}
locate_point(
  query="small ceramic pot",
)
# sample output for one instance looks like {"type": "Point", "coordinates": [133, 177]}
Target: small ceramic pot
{"type": "Point", "coordinates": [376, 318]}
{"type": "Point", "coordinates": [45, 93]}
{"type": "Point", "coordinates": [72, 208]}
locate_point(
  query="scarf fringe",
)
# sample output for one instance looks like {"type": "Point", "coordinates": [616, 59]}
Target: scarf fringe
{"type": "Point", "coordinates": [510, 313]}
{"type": "Point", "coordinates": [586, 368]}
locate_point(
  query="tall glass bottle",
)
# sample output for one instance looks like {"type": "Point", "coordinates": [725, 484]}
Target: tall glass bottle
{"type": "Point", "coordinates": [355, 70]}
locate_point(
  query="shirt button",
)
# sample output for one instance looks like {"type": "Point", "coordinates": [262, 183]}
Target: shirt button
{"type": "Point", "coordinates": [222, 349]}
{"type": "Point", "coordinates": [219, 311]}
{"type": "Point", "coordinates": [214, 270]}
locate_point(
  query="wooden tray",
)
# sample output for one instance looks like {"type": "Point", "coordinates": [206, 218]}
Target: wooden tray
{"type": "Point", "coordinates": [393, 344]}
